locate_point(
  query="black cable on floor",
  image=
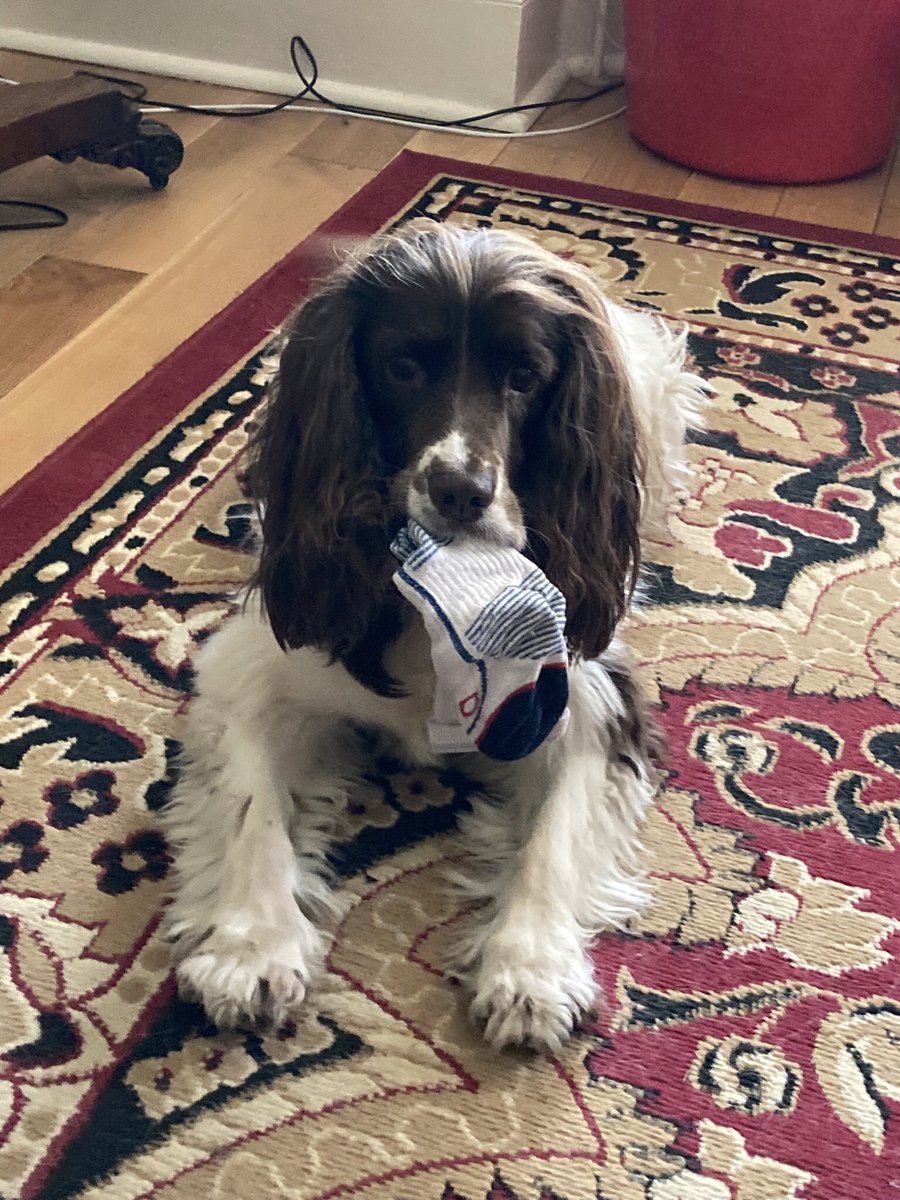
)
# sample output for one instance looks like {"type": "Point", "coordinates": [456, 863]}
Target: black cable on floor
{"type": "Point", "coordinates": [299, 45]}
{"type": "Point", "coordinates": [58, 217]}
{"type": "Point", "coordinates": [264, 109]}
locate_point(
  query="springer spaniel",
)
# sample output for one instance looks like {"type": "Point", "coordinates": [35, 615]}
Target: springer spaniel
{"type": "Point", "coordinates": [476, 383]}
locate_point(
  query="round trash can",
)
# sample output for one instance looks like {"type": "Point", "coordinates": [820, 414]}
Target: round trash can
{"type": "Point", "coordinates": [777, 91]}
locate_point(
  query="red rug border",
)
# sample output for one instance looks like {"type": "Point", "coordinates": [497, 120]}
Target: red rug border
{"type": "Point", "coordinates": [30, 510]}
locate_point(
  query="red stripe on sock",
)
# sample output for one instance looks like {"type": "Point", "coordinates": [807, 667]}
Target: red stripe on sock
{"type": "Point", "coordinates": [526, 687]}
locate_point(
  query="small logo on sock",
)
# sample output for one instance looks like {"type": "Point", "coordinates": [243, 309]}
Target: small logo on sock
{"type": "Point", "coordinates": [469, 704]}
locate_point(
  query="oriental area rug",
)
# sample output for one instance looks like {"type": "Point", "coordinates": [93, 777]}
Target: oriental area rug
{"type": "Point", "coordinates": [748, 1043]}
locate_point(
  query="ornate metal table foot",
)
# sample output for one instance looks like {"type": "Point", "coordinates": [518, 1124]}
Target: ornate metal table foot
{"type": "Point", "coordinates": [83, 117]}
{"type": "Point", "coordinates": [156, 152]}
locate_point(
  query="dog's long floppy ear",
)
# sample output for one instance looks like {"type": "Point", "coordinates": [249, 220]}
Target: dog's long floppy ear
{"type": "Point", "coordinates": [314, 469]}
{"type": "Point", "coordinates": [583, 475]}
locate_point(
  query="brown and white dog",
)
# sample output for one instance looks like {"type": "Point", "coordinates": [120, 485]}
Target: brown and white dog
{"type": "Point", "coordinates": [474, 382]}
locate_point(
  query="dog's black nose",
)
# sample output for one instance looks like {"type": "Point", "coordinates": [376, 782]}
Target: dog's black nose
{"type": "Point", "coordinates": [460, 497]}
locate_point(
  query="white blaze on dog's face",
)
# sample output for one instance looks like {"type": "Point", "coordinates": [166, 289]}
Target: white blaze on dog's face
{"type": "Point", "coordinates": [454, 490]}
{"type": "Point", "coordinates": [453, 386]}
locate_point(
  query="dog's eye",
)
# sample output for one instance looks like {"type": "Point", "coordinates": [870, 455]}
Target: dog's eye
{"type": "Point", "coordinates": [403, 368]}
{"type": "Point", "coordinates": [521, 379]}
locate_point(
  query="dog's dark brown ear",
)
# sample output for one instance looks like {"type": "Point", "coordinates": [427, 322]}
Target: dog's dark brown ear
{"type": "Point", "coordinates": [314, 469]}
{"type": "Point", "coordinates": [583, 480]}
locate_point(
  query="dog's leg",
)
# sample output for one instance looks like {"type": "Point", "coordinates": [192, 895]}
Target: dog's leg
{"type": "Point", "coordinates": [555, 862]}
{"type": "Point", "coordinates": [247, 822]}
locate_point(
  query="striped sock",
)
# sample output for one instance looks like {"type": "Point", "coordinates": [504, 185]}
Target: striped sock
{"type": "Point", "coordinates": [496, 626]}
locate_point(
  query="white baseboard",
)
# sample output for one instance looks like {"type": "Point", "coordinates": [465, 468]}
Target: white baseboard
{"type": "Point", "coordinates": [126, 58]}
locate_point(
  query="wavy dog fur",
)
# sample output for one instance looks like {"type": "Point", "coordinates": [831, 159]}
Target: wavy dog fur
{"type": "Point", "coordinates": [316, 464]}
{"type": "Point", "coordinates": [475, 382]}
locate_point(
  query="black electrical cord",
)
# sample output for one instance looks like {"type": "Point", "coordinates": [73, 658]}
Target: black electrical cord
{"type": "Point", "coordinates": [57, 215]}
{"type": "Point", "coordinates": [264, 109]}
{"type": "Point", "coordinates": [299, 44]}
{"type": "Point", "coordinates": [460, 122]}
{"type": "Point", "coordinates": [138, 90]}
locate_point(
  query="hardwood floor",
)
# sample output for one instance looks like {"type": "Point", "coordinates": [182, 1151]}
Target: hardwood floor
{"type": "Point", "coordinates": [88, 308]}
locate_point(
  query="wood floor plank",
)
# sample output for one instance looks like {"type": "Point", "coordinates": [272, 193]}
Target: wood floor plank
{"type": "Point", "coordinates": [353, 142]}
{"type": "Point", "coordinates": [46, 305]}
{"type": "Point", "coordinates": [57, 398]}
{"type": "Point", "coordinates": [849, 204]}
{"type": "Point", "coordinates": [80, 189]}
{"type": "Point", "coordinates": [726, 193]}
{"type": "Point", "coordinates": [148, 228]}
{"type": "Point", "coordinates": [891, 197]}
{"type": "Point", "coordinates": [543, 157]}
{"type": "Point", "coordinates": [564, 155]}
{"type": "Point", "coordinates": [888, 224]}
{"type": "Point", "coordinates": [621, 162]}
{"type": "Point", "coordinates": [457, 145]}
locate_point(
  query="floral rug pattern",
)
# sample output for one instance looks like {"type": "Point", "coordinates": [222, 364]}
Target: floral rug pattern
{"type": "Point", "coordinates": [748, 1047]}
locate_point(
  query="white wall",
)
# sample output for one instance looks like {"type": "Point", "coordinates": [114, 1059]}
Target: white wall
{"type": "Point", "coordinates": [439, 58]}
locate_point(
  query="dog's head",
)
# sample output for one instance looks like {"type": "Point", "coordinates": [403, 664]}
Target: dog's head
{"type": "Point", "coordinates": [468, 379]}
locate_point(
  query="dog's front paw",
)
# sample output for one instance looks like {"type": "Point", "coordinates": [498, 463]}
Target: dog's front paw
{"type": "Point", "coordinates": [252, 975]}
{"type": "Point", "coordinates": [530, 997]}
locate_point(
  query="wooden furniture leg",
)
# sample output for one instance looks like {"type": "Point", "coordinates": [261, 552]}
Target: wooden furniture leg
{"type": "Point", "coordinates": [83, 117]}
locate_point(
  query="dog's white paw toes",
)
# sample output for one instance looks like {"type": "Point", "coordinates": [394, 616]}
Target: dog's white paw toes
{"type": "Point", "coordinates": [252, 978]}
{"type": "Point", "coordinates": [533, 1002]}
